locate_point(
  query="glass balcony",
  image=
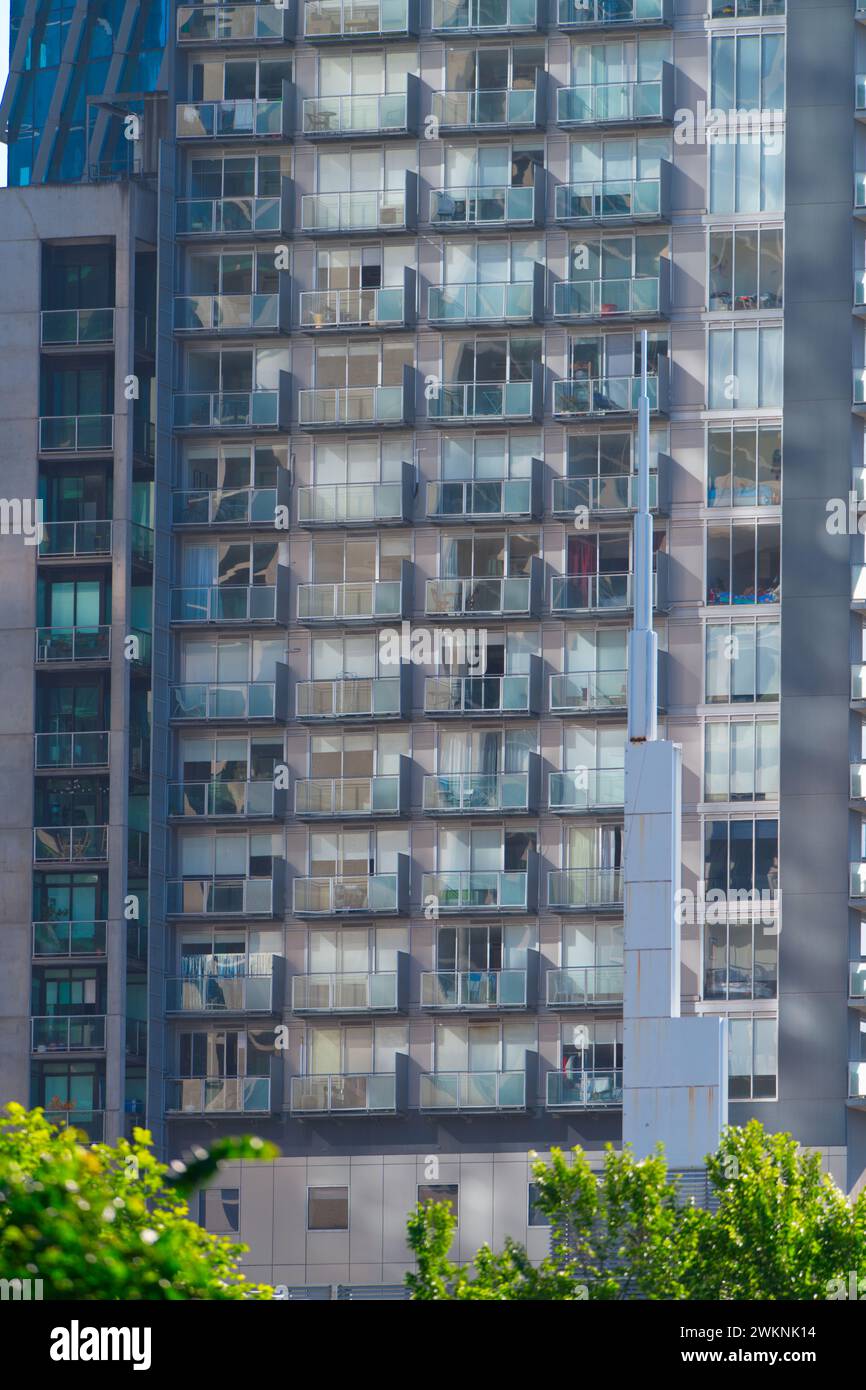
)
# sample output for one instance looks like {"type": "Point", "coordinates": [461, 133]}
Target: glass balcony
{"type": "Point", "coordinates": [584, 888]}
{"type": "Point", "coordinates": [237, 506]}
{"type": "Point", "coordinates": [345, 992]}
{"type": "Point", "coordinates": [585, 14]}
{"type": "Point", "coordinates": [614, 492]}
{"type": "Point", "coordinates": [473, 1090]}
{"type": "Point", "coordinates": [76, 327]}
{"type": "Point", "coordinates": [231, 800]}
{"type": "Point", "coordinates": [230, 410]}
{"type": "Point", "coordinates": [516, 108]}
{"type": "Point", "coordinates": [355, 405]}
{"type": "Point", "coordinates": [617, 103]}
{"type": "Point", "coordinates": [494, 303]}
{"type": "Point", "coordinates": [230, 216]}
{"type": "Point", "coordinates": [348, 796]}
{"type": "Point", "coordinates": [495, 205]}
{"type": "Point", "coordinates": [609, 299]}
{"type": "Point", "coordinates": [324, 603]}
{"type": "Point", "coordinates": [467, 598]}
{"type": "Point", "coordinates": [359, 19]}
{"type": "Point", "coordinates": [345, 309]}
{"type": "Point", "coordinates": [217, 897]}
{"type": "Point", "coordinates": [375, 698]}
{"type": "Point", "coordinates": [610, 395]}
{"type": "Point", "coordinates": [587, 789]}
{"type": "Point", "coordinates": [860, 389]}
{"type": "Point", "coordinates": [858, 781]}
{"type": "Point", "coordinates": [376, 210]}
{"type": "Point", "coordinates": [247, 117]}
{"type": "Point", "coordinates": [472, 890]}
{"type": "Point", "coordinates": [583, 1090]}
{"type": "Point", "coordinates": [73, 1033]}
{"type": "Point", "coordinates": [73, 644]}
{"type": "Point", "coordinates": [484, 16]}
{"type": "Point", "coordinates": [857, 980]}
{"type": "Point", "coordinates": [227, 313]}
{"type": "Point", "coordinates": [858, 681]}
{"type": "Point", "coordinates": [69, 938]}
{"type": "Point", "coordinates": [241, 23]}
{"type": "Point", "coordinates": [514, 499]}
{"type": "Point", "coordinates": [590, 593]}
{"type": "Point", "coordinates": [857, 1081]}
{"type": "Point", "coordinates": [239, 700]}
{"type": "Point", "coordinates": [470, 793]}
{"type": "Point", "coordinates": [385, 114]}
{"type": "Point", "coordinates": [612, 200]}
{"type": "Point", "coordinates": [224, 985]}
{"type": "Point", "coordinates": [474, 989]}
{"type": "Point", "coordinates": [471, 402]}
{"type": "Point", "coordinates": [226, 1095]}
{"type": "Point", "coordinates": [80, 749]}
{"type": "Point", "coordinates": [226, 603]}
{"type": "Point", "coordinates": [75, 434]}
{"type": "Point", "coordinates": [75, 539]}
{"type": "Point", "coordinates": [363, 893]}
{"type": "Point", "coordinates": [589, 692]}
{"type": "Point", "coordinates": [342, 1093]}
{"type": "Point", "coordinates": [353, 504]}
{"type": "Point", "coordinates": [478, 695]}
{"type": "Point", "coordinates": [585, 987]}
{"type": "Point", "coordinates": [64, 1114]}
{"type": "Point", "coordinates": [68, 844]}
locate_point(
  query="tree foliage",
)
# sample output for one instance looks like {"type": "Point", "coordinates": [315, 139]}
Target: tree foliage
{"type": "Point", "coordinates": [94, 1221]}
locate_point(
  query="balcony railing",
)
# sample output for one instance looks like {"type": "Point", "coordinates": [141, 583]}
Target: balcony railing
{"type": "Point", "coordinates": [486, 401]}
{"type": "Point", "coordinates": [584, 14]}
{"type": "Point", "coordinates": [328, 797]}
{"type": "Point", "coordinates": [584, 888]}
{"type": "Point", "coordinates": [249, 216]}
{"type": "Point", "coordinates": [73, 644]}
{"type": "Point", "coordinates": [209, 410]}
{"type": "Point", "coordinates": [518, 302]}
{"type": "Point", "coordinates": [249, 991]}
{"type": "Point", "coordinates": [638, 297]}
{"type": "Point", "coordinates": [588, 692]}
{"type": "Point", "coordinates": [362, 602]}
{"type": "Point", "coordinates": [76, 327]}
{"type": "Point", "coordinates": [75, 434]}
{"type": "Point", "coordinates": [245, 117]}
{"type": "Point", "coordinates": [614, 492]}
{"type": "Point", "coordinates": [359, 19]}
{"type": "Point", "coordinates": [857, 980]}
{"type": "Point", "coordinates": [67, 1116]}
{"type": "Point", "coordinates": [511, 109]}
{"type": "Point", "coordinates": [228, 603]}
{"type": "Point", "coordinates": [73, 1033]}
{"type": "Point", "coordinates": [489, 205]}
{"type": "Point", "coordinates": [485, 16]}
{"type": "Point", "coordinates": [225, 701]}
{"type": "Point", "coordinates": [583, 1090]}
{"type": "Point", "coordinates": [354, 698]}
{"type": "Point", "coordinates": [357, 504]}
{"type": "Point", "coordinates": [615, 200]}
{"type": "Point", "coordinates": [70, 844]}
{"type": "Point", "coordinates": [584, 987]}
{"type": "Point", "coordinates": [471, 793]}
{"type": "Point", "coordinates": [591, 593]}
{"type": "Point", "coordinates": [226, 1095]}
{"type": "Point", "coordinates": [618, 103]}
{"type": "Point", "coordinates": [230, 800]}
{"type": "Point", "coordinates": [466, 598]}
{"type": "Point", "coordinates": [389, 113]}
{"type": "Point", "coordinates": [217, 897]}
{"type": "Point", "coordinates": [476, 890]}
{"type": "Point", "coordinates": [858, 681]}
{"type": "Point", "coordinates": [69, 938]}
{"type": "Point", "coordinates": [857, 1081]}
{"type": "Point", "coordinates": [373, 210]}
{"type": "Point", "coordinates": [345, 1093]}
{"type": "Point", "coordinates": [490, 498]}
{"type": "Point", "coordinates": [348, 893]}
{"type": "Point", "coordinates": [587, 789]}
{"type": "Point", "coordinates": [241, 23]}
{"type": "Point", "coordinates": [81, 749]}
{"type": "Point", "coordinates": [479, 695]}
{"type": "Point", "coordinates": [473, 1090]}
{"type": "Point", "coordinates": [232, 313]}
{"type": "Point", "coordinates": [609, 395]}
{"type": "Point", "coordinates": [474, 989]}
{"type": "Point", "coordinates": [231, 506]}
{"type": "Point", "coordinates": [346, 992]}
{"type": "Point", "coordinates": [344, 309]}
{"type": "Point", "coordinates": [75, 539]}
{"type": "Point", "coordinates": [328, 408]}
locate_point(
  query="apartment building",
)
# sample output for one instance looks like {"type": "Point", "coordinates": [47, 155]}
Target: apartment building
{"type": "Point", "coordinates": [397, 260]}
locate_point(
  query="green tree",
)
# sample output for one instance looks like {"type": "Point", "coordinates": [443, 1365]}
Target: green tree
{"type": "Point", "coordinates": [99, 1222]}
{"type": "Point", "coordinates": [778, 1228]}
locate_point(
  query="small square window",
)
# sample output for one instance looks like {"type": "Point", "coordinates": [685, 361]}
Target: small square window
{"type": "Point", "coordinates": [536, 1216]}
{"type": "Point", "coordinates": [327, 1208]}
{"type": "Point", "coordinates": [220, 1210]}
{"type": "Point", "coordinates": [439, 1192]}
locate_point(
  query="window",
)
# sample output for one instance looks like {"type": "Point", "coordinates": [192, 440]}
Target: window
{"type": "Point", "coordinates": [742, 662]}
{"type": "Point", "coordinates": [339, 560]}
{"type": "Point", "coordinates": [237, 176]}
{"type": "Point", "coordinates": [488, 360]}
{"type": "Point", "coordinates": [746, 268]}
{"type": "Point", "coordinates": [481, 456]}
{"type": "Point", "coordinates": [231, 659]}
{"type": "Point", "coordinates": [616, 62]}
{"type": "Point", "coordinates": [355, 950]}
{"type": "Point", "coordinates": [377, 362]}
{"type": "Point", "coordinates": [239, 79]}
{"type": "Point", "coordinates": [220, 1210]}
{"type": "Point", "coordinates": [535, 1216]}
{"type": "Point", "coordinates": [362, 73]}
{"type": "Point", "coordinates": [744, 466]}
{"type": "Point", "coordinates": [743, 563]}
{"type": "Point", "coordinates": [356, 852]}
{"type": "Point", "coordinates": [365, 170]}
{"type": "Point", "coordinates": [229, 467]}
{"type": "Point", "coordinates": [748, 72]}
{"type": "Point", "coordinates": [745, 368]}
{"type": "Point", "coordinates": [752, 1058]}
{"type": "Point", "coordinates": [741, 760]}
{"type": "Point", "coordinates": [484, 1047]}
{"type": "Point", "coordinates": [746, 9]}
{"type": "Point", "coordinates": [490, 262]}
{"type": "Point", "coordinates": [344, 658]}
{"type": "Point", "coordinates": [358, 753]}
{"type": "Point", "coordinates": [327, 1208]}
{"type": "Point", "coordinates": [741, 855]}
{"type": "Point", "coordinates": [484, 946]}
{"type": "Point", "coordinates": [485, 554]}
{"type": "Point", "coordinates": [341, 461]}
{"type": "Point", "coordinates": [439, 1192]}
{"type": "Point", "coordinates": [746, 176]}
{"type": "Point", "coordinates": [741, 958]}
{"type": "Point", "coordinates": [506, 165]}
{"type": "Point", "coordinates": [234, 369]}
{"type": "Point", "coordinates": [594, 161]}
